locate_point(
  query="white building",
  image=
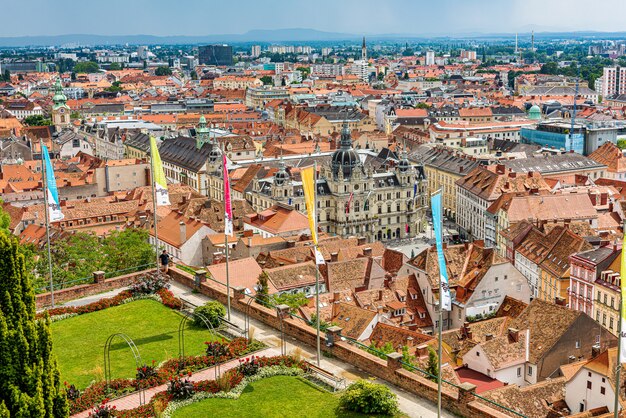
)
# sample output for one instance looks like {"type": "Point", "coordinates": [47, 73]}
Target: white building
{"type": "Point", "coordinates": [360, 68]}
{"type": "Point", "coordinates": [255, 51]}
{"type": "Point", "coordinates": [430, 58]}
{"type": "Point", "coordinates": [593, 386]}
{"type": "Point", "coordinates": [613, 81]}
{"type": "Point", "coordinates": [182, 238]}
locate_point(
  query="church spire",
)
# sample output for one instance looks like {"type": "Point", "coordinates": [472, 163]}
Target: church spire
{"type": "Point", "coordinates": [364, 51]}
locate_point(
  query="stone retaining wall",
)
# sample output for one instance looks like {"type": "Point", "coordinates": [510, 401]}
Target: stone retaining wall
{"type": "Point", "coordinates": [459, 401]}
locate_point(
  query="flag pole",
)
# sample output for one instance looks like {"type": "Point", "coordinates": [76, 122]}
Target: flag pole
{"type": "Point", "coordinates": [317, 271]}
{"type": "Point", "coordinates": [44, 183]}
{"type": "Point", "coordinates": [154, 209]}
{"type": "Point", "coordinates": [439, 351]}
{"type": "Point", "coordinates": [226, 231]}
{"type": "Point", "coordinates": [618, 368]}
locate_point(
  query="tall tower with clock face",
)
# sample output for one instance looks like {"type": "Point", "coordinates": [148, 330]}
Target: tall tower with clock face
{"type": "Point", "coordinates": [60, 109]}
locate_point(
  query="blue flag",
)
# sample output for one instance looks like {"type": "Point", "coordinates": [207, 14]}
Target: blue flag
{"type": "Point", "coordinates": [444, 287]}
{"type": "Point", "coordinates": [54, 208]}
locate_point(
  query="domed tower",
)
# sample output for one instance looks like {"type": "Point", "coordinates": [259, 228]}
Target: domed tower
{"type": "Point", "coordinates": [534, 113]}
{"type": "Point", "coordinates": [203, 133]}
{"type": "Point", "coordinates": [345, 159]}
{"type": "Point", "coordinates": [60, 109]}
{"type": "Point", "coordinates": [404, 168]}
{"type": "Point", "coordinates": [282, 176]}
{"type": "Point", "coordinates": [281, 187]}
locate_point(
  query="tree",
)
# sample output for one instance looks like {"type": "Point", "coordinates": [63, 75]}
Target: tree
{"type": "Point", "coordinates": [422, 105]}
{"type": "Point", "coordinates": [305, 71]}
{"type": "Point", "coordinates": [86, 67]}
{"type": "Point", "coordinates": [116, 86]}
{"type": "Point", "coordinates": [5, 220]}
{"type": "Point", "coordinates": [294, 301]}
{"type": "Point", "coordinates": [30, 383]}
{"type": "Point", "coordinates": [367, 397]}
{"type": "Point", "coordinates": [621, 143]}
{"type": "Point", "coordinates": [549, 68]}
{"type": "Point", "coordinates": [115, 66]}
{"type": "Point", "coordinates": [267, 80]}
{"type": "Point", "coordinates": [145, 64]}
{"type": "Point", "coordinates": [194, 75]}
{"type": "Point", "coordinates": [163, 71]}
{"type": "Point", "coordinates": [433, 364]}
{"type": "Point", "coordinates": [37, 120]}
{"type": "Point", "coordinates": [212, 311]}
{"type": "Point", "coordinates": [127, 249]}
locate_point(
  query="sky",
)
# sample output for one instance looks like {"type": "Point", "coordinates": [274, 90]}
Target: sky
{"type": "Point", "coordinates": [209, 17]}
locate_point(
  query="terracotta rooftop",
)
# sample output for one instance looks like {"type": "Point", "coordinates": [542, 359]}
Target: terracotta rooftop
{"type": "Point", "coordinates": [352, 319]}
{"type": "Point", "coordinates": [292, 276]}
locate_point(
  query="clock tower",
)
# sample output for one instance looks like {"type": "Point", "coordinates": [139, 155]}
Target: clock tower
{"type": "Point", "coordinates": [60, 109]}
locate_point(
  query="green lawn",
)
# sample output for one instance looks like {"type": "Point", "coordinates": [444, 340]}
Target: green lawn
{"type": "Point", "coordinates": [79, 341]}
{"type": "Point", "coordinates": [278, 396]}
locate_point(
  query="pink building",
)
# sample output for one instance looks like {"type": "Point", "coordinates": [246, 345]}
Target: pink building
{"type": "Point", "coordinates": [586, 267]}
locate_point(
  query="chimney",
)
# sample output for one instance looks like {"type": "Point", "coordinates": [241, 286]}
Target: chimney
{"type": "Point", "coordinates": [333, 257]}
{"type": "Point", "coordinates": [248, 233]}
{"type": "Point", "coordinates": [367, 252]}
{"type": "Point", "coordinates": [361, 241]}
{"type": "Point", "coordinates": [380, 294]}
{"type": "Point", "coordinates": [409, 342]}
{"type": "Point", "coordinates": [500, 169]}
{"type": "Point", "coordinates": [422, 351]}
{"type": "Point", "coordinates": [249, 241]}
{"type": "Point", "coordinates": [488, 337]}
{"type": "Point", "coordinates": [335, 296]}
{"type": "Point", "coordinates": [559, 301]}
{"type": "Point", "coordinates": [291, 244]}
{"type": "Point", "coordinates": [513, 335]}
{"type": "Point", "coordinates": [183, 232]}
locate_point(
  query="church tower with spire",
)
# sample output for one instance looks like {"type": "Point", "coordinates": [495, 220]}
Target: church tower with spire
{"type": "Point", "coordinates": [60, 110]}
{"type": "Point", "coordinates": [364, 51]}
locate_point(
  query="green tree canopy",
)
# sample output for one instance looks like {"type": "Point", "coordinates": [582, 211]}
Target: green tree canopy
{"type": "Point", "coordinates": [29, 378]}
{"type": "Point", "coordinates": [115, 66]}
{"type": "Point", "coordinates": [163, 71]}
{"type": "Point", "coordinates": [37, 120]}
{"type": "Point", "coordinates": [86, 67]}
{"type": "Point", "coordinates": [267, 80]}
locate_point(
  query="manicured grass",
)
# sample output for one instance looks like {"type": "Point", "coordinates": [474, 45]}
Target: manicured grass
{"type": "Point", "coordinates": [78, 342]}
{"type": "Point", "coordinates": [278, 396]}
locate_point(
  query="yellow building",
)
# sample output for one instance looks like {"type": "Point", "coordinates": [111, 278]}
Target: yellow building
{"type": "Point", "coordinates": [443, 167]}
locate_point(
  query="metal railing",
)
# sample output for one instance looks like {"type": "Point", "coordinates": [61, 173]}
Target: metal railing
{"type": "Point", "coordinates": [406, 365]}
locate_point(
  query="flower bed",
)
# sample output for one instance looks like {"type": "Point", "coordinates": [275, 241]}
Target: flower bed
{"type": "Point", "coordinates": [147, 287]}
{"type": "Point", "coordinates": [163, 403]}
{"type": "Point", "coordinates": [95, 393]}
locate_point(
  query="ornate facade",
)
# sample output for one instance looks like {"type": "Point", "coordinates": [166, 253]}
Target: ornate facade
{"type": "Point", "coordinates": [358, 193]}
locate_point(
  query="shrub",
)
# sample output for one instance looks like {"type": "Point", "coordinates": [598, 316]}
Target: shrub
{"type": "Point", "coordinates": [168, 299]}
{"type": "Point", "coordinates": [367, 397]}
{"type": "Point", "coordinates": [149, 284]}
{"type": "Point", "coordinates": [103, 410]}
{"type": "Point", "coordinates": [71, 392]}
{"type": "Point", "coordinates": [146, 372]}
{"type": "Point", "coordinates": [217, 349]}
{"type": "Point", "coordinates": [212, 311]}
{"type": "Point", "coordinates": [179, 388]}
{"type": "Point", "coordinates": [249, 366]}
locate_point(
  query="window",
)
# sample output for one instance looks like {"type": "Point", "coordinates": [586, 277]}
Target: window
{"type": "Point", "coordinates": [602, 390]}
{"type": "Point", "coordinates": [577, 343]}
{"type": "Point", "coordinates": [478, 354]}
{"type": "Point", "coordinates": [519, 372]}
{"type": "Point", "coordinates": [588, 384]}
{"type": "Point", "coordinates": [530, 370]}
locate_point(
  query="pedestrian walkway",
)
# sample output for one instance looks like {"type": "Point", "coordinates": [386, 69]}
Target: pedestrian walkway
{"type": "Point", "coordinates": [411, 405]}
{"type": "Point", "coordinates": [133, 400]}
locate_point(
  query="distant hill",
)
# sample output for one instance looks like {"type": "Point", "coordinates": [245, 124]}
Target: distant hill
{"type": "Point", "coordinates": [274, 35]}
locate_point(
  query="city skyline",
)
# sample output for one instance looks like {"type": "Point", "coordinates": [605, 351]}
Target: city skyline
{"type": "Point", "coordinates": [369, 17]}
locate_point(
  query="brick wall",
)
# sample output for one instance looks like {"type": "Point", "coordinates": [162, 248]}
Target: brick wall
{"type": "Point", "coordinates": [459, 401]}
{"type": "Point", "coordinates": [75, 292]}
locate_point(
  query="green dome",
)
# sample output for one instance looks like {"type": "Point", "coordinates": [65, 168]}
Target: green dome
{"type": "Point", "coordinates": [534, 113]}
{"type": "Point", "coordinates": [59, 98]}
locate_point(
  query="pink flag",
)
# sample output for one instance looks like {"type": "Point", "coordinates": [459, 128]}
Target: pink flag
{"type": "Point", "coordinates": [228, 209]}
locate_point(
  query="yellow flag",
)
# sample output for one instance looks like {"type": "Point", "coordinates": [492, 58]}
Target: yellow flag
{"type": "Point", "coordinates": [308, 184]}
{"type": "Point", "coordinates": [622, 337]}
